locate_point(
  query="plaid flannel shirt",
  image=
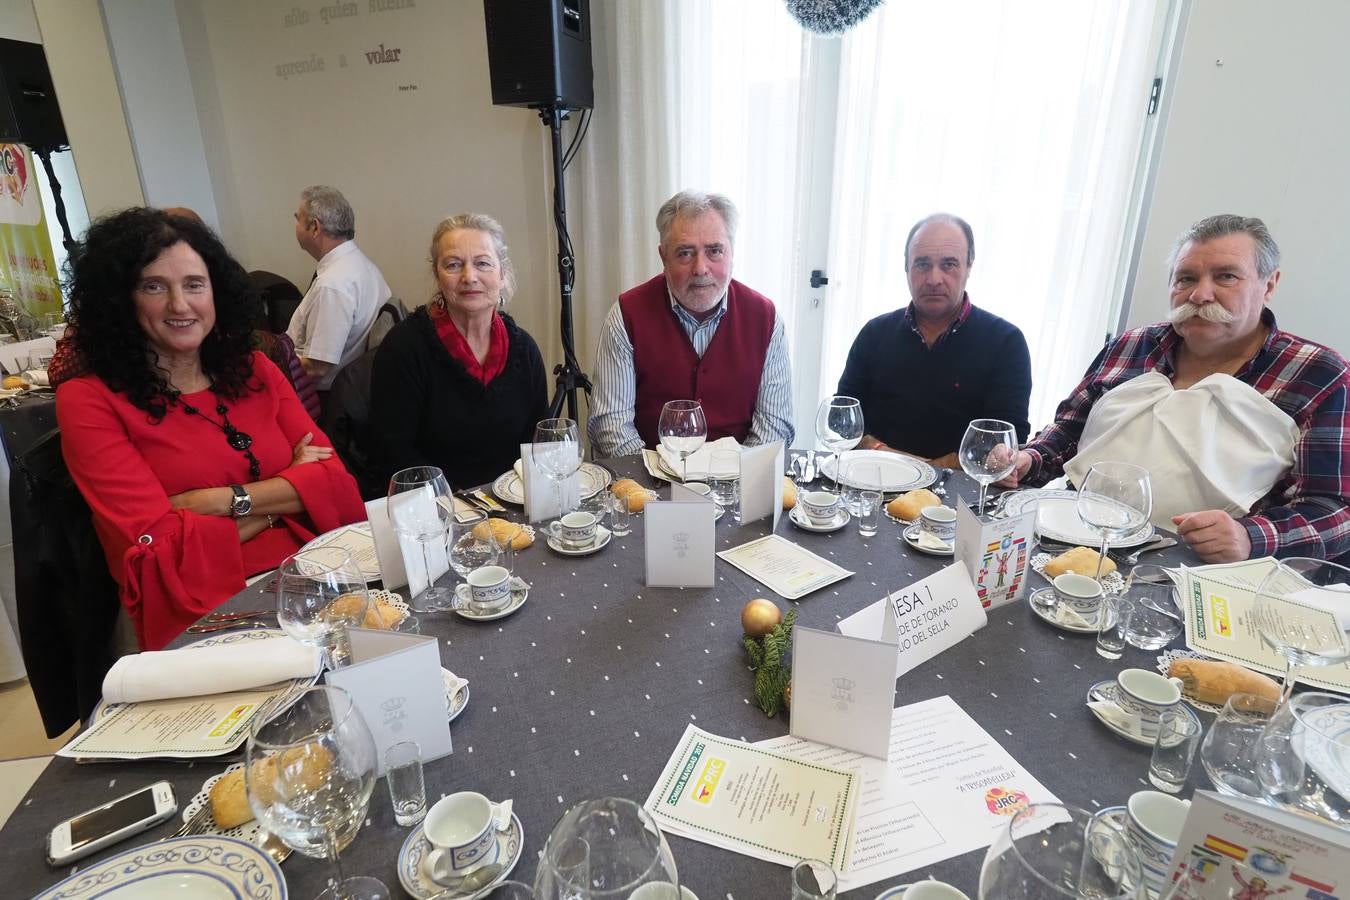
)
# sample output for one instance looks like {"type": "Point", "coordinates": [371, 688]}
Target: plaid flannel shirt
{"type": "Point", "coordinates": [1305, 513]}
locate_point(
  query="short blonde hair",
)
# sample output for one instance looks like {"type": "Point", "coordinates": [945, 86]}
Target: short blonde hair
{"type": "Point", "coordinates": [493, 229]}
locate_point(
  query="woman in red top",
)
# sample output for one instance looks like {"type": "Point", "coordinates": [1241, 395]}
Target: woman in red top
{"type": "Point", "coordinates": [194, 453]}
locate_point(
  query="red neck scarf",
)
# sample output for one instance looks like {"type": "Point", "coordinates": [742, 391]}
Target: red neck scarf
{"type": "Point", "coordinates": [498, 344]}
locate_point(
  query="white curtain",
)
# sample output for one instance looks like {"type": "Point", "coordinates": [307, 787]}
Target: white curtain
{"type": "Point", "coordinates": [1023, 118]}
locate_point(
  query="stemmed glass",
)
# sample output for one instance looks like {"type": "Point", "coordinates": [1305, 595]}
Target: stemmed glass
{"type": "Point", "coordinates": [839, 426]}
{"type": "Point", "coordinates": [422, 509]}
{"type": "Point", "coordinates": [985, 454]}
{"type": "Point", "coordinates": [1053, 852]}
{"type": "Point", "coordinates": [1304, 757]}
{"type": "Point", "coordinates": [683, 430]}
{"type": "Point", "coordinates": [557, 452]}
{"type": "Point", "coordinates": [1294, 614]}
{"type": "Point", "coordinates": [308, 774]}
{"type": "Point", "coordinates": [606, 848]}
{"type": "Point", "coordinates": [320, 593]}
{"type": "Point", "coordinates": [1115, 499]}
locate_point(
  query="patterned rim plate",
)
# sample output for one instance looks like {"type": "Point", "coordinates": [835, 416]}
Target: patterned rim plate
{"type": "Point", "coordinates": [594, 479]}
{"type": "Point", "coordinates": [214, 640]}
{"type": "Point", "coordinates": [1327, 752]}
{"type": "Point", "coordinates": [911, 537]}
{"type": "Point", "coordinates": [412, 855]}
{"type": "Point", "coordinates": [1057, 519]}
{"type": "Point", "coordinates": [898, 473]}
{"type": "Point", "coordinates": [358, 539]}
{"type": "Point", "coordinates": [197, 866]}
{"type": "Point", "coordinates": [799, 518]}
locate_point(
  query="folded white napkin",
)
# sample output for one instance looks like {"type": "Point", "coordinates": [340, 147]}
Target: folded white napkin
{"type": "Point", "coordinates": [928, 542]}
{"type": "Point", "coordinates": [196, 671]}
{"type": "Point", "coordinates": [1121, 719]}
{"type": "Point", "coordinates": [700, 461]}
{"type": "Point", "coordinates": [38, 377]}
{"type": "Point", "coordinates": [453, 683]}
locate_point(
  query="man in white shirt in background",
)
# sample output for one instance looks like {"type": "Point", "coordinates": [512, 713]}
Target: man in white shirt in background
{"type": "Point", "coordinates": [331, 324]}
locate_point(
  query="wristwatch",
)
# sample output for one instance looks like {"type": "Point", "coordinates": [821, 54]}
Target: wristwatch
{"type": "Point", "coordinates": [242, 504]}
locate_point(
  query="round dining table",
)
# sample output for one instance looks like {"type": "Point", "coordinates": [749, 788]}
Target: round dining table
{"type": "Point", "coordinates": [585, 691]}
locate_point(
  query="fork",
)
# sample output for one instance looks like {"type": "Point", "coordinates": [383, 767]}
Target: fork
{"type": "Point", "coordinates": [197, 823]}
{"type": "Point", "coordinates": [244, 614]}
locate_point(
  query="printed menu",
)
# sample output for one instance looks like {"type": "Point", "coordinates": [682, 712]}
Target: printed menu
{"type": "Point", "coordinates": [789, 570]}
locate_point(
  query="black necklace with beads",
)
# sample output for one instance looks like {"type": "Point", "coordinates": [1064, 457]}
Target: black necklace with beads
{"type": "Point", "coordinates": [238, 440]}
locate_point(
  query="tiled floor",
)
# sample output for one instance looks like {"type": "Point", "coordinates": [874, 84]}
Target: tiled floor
{"type": "Point", "coordinates": [21, 733]}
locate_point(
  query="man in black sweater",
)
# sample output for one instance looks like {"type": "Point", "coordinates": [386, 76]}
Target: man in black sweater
{"type": "Point", "coordinates": [922, 373]}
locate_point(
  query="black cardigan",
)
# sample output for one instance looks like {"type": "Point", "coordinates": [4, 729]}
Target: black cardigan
{"type": "Point", "coordinates": [426, 409]}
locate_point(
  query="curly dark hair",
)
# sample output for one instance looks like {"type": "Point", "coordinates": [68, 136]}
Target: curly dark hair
{"type": "Point", "coordinates": [101, 273]}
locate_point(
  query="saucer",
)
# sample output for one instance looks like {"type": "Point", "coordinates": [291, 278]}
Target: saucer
{"type": "Point", "coordinates": [412, 857]}
{"type": "Point", "coordinates": [1052, 615]}
{"type": "Point", "coordinates": [602, 536]}
{"type": "Point", "coordinates": [454, 705]}
{"type": "Point", "coordinates": [911, 536]}
{"type": "Point", "coordinates": [893, 893]}
{"type": "Point", "coordinates": [841, 518]}
{"type": "Point", "coordinates": [1106, 690]}
{"type": "Point", "coordinates": [518, 597]}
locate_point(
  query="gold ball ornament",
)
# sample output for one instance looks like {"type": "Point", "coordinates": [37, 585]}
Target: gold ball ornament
{"type": "Point", "coordinates": [759, 616]}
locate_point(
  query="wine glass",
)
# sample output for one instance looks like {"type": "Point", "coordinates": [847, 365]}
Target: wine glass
{"type": "Point", "coordinates": [320, 593]}
{"type": "Point", "coordinates": [1304, 757]}
{"type": "Point", "coordinates": [422, 509]}
{"type": "Point", "coordinates": [557, 452]}
{"type": "Point", "coordinates": [683, 430]}
{"type": "Point", "coordinates": [308, 774]}
{"type": "Point", "coordinates": [1116, 500]}
{"type": "Point", "coordinates": [472, 544]}
{"type": "Point", "coordinates": [606, 848]}
{"type": "Point", "coordinates": [839, 426]}
{"type": "Point", "coordinates": [1294, 614]}
{"type": "Point", "coordinates": [1049, 851]}
{"type": "Point", "coordinates": [986, 453]}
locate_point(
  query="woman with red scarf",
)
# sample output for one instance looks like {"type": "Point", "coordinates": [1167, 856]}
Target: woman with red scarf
{"type": "Point", "coordinates": [458, 384]}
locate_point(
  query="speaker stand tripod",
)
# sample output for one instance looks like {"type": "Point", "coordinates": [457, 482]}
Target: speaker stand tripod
{"type": "Point", "coordinates": [568, 377]}
{"type": "Point", "coordinates": [45, 154]}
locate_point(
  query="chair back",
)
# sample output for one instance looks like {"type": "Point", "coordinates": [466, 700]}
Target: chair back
{"type": "Point", "coordinates": [346, 421]}
{"type": "Point", "coordinates": [279, 299]}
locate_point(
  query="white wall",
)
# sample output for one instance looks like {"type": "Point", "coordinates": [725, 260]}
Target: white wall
{"type": "Point", "coordinates": [18, 22]}
{"type": "Point", "coordinates": [1267, 134]}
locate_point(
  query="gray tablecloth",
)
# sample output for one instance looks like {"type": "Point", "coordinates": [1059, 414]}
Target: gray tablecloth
{"type": "Point", "coordinates": [585, 691]}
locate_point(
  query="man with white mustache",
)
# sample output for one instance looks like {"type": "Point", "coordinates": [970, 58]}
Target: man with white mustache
{"type": "Point", "coordinates": [1244, 428]}
{"type": "Point", "coordinates": [692, 333]}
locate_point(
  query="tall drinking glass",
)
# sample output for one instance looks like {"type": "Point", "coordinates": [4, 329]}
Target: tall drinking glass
{"type": "Point", "coordinates": [472, 543]}
{"type": "Point", "coordinates": [557, 452]}
{"type": "Point", "coordinates": [606, 849]}
{"type": "Point", "coordinates": [320, 593]}
{"type": "Point", "coordinates": [309, 771]}
{"type": "Point", "coordinates": [985, 454]}
{"type": "Point", "coordinates": [683, 430]}
{"type": "Point", "coordinates": [1296, 614]}
{"type": "Point", "coordinates": [839, 426]}
{"type": "Point", "coordinates": [1115, 500]}
{"type": "Point", "coordinates": [1053, 852]}
{"type": "Point", "coordinates": [422, 510]}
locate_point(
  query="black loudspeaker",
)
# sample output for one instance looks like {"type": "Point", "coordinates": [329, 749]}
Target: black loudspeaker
{"type": "Point", "coordinates": [539, 52]}
{"type": "Point", "coordinates": [29, 113]}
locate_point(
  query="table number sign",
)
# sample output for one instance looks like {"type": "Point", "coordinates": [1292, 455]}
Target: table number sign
{"type": "Point", "coordinates": [843, 690]}
{"type": "Point", "coordinates": [930, 616]}
{"type": "Point", "coordinates": [541, 492]}
{"type": "Point", "coordinates": [680, 537]}
{"type": "Point", "coordinates": [762, 483]}
{"type": "Point", "coordinates": [996, 554]}
{"type": "Point", "coordinates": [395, 680]}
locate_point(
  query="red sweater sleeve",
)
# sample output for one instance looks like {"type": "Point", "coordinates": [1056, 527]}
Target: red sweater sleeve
{"type": "Point", "coordinates": [172, 566]}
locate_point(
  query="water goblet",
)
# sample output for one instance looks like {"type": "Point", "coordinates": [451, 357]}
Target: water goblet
{"type": "Point", "coordinates": [320, 594]}
{"type": "Point", "coordinates": [1115, 500]}
{"type": "Point", "coordinates": [986, 453]}
{"type": "Point", "coordinates": [1295, 614]}
{"type": "Point", "coordinates": [683, 430]}
{"type": "Point", "coordinates": [1049, 851]}
{"type": "Point", "coordinates": [422, 510]}
{"type": "Point", "coordinates": [839, 426]}
{"type": "Point", "coordinates": [606, 849]}
{"type": "Point", "coordinates": [557, 452]}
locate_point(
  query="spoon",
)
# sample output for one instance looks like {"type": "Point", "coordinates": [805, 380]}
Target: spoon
{"type": "Point", "coordinates": [472, 883]}
{"type": "Point", "coordinates": [940, 489]}
{"type": "Point", "coordinates": [273, 846]}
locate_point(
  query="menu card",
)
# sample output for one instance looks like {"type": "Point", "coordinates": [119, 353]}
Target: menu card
{"type": "Point", "coordinates": [768, 805]}
{"type": "Point", "coordinates": [762, 483]}
{"type": "Point", "coordinates": [843, 690]}
{"type": "Point", "coordinates": [1220, 600]}
{"type": "Point", "coordinates": [679, 539]}
{"type": "Point", "coordinates": [996, 554]}
{"type": "Point", "coordinates": [387, 549]}
{"type": "Point", "coordinates": [785, 568]}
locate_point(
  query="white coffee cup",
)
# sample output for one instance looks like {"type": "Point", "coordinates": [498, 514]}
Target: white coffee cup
{"type": "Point", "coordinates": [1146, 694]}
{"type": "Point", "coordinates": [933, 890]}
{"type": "Point", "coordinates": [1155, 823]}
{"type": "Point", "coordinates": [1078, 592]}
{"type": "Point", "coordinates": [463, 834]}
{"type": "Point", "coordinates": [489, 587]}
{"type": "Point", "coordinates": [576, 529]}
{"type": "Point", "coordinates": [820, 506]}
{"type": "Point", "coordinates": [940, 522]}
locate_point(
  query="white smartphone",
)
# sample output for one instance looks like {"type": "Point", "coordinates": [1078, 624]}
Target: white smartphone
{"type": "Point", "coordinates": [114, 821]}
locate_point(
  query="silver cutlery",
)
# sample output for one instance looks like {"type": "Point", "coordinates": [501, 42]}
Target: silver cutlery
{"type": "Point", "coordinates": [472, 883]}
{"type": "Point", "coordinates": [940, 488]}
{"type": "Point", "coordinates": [273, 846]}
{"type": "Point", "coordinates": [242, 614]}
{"type": "Point", "coordinates": [809, 472]}
{"type": "Point", "coordinates": [196, 824]}
{"type": "Point", "coordinates": [212, 627]}
{"type": "Point", "coordinates": [1160, 543]}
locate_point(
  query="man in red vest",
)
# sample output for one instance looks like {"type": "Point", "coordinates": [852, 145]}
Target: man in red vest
{"type": "Point", "coordinates": [692, 333]}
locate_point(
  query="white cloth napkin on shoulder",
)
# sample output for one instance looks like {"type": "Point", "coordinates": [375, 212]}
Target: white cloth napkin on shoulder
{"type": "Point", "coordinates": [196, 671]}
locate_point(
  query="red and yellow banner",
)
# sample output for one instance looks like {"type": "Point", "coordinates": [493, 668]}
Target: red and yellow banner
{"type": "Point", "coordinates": [27, 265]}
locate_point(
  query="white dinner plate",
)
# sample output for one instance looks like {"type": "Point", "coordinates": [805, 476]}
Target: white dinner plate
{"type": "Point", "coordinates": [1057, 519]}
{"type": "Point", "coordinates": [358, 540]}
{"type": "Point", "coordinates": [898, 472]}
{"type": "Point", "coordinates": [203, 867]}
{"type": "Point", "coordinates": [510, 488]}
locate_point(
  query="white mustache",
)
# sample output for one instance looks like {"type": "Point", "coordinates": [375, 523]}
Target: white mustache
{"type": "Point", "coordinates": [1209, 312]}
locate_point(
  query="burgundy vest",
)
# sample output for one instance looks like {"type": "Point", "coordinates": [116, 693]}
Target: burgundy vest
{"type": "Point", "coordinates": [726, 380]}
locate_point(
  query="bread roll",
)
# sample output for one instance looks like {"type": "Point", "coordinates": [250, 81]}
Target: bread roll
{"type": "Point", "coordinates": [305, 767]}
{"type": "Point", "coordinates": [498, 530]}
{"type": "Point", "coordinates": [345, 607]}
{"type": "Point", "coordinates": [1212, 681]}
{"type": "Point", "coordinates": [382, 614]}
{"type": "Point", "coordinates": [1080, 560]}
{"type": "Point", "coordinates": [907, 506]}
{"type": "Point", "coordinates": [637, 500]}
{"type": "Point", "coordinates": [789, 493]}
{"type": "Point", "coordinates": [624, 486]}
{"type": "Point", "coordinates": [229, 803]}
